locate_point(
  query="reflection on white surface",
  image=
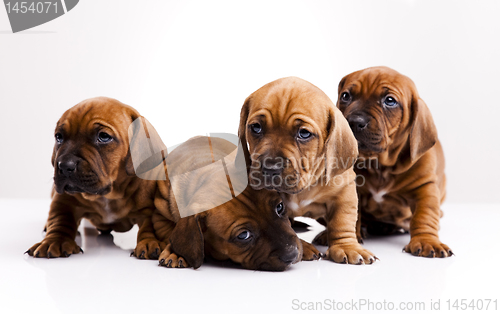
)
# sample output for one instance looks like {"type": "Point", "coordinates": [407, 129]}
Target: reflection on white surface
{"type": "Point", "coordinates": [106, 280]}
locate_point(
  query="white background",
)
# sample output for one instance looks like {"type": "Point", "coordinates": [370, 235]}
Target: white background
{"type": "Point", "coordinates": [187, 66]}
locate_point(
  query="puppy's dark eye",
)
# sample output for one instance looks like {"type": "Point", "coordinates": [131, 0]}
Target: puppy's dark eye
{"type": "Point", "coordinates": [390, 102]}
{"type": "Point", "coordinates": [256, 128]}
{"type": "Point", "coordinates": [59, 138]}
{"type": "Point", "coordinates": [304, 134]}
{"type": "Point", "coordinates": [280, 209]}
{"type": "Point", "coordinates": [345, 97]}
{"type": "Point", "coordinates": [244, 236]}
{"type": "Point", "coordinates": [104, 137]}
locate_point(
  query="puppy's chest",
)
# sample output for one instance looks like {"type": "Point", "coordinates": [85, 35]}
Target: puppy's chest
{"type": "Point", "coordinates": [380, 196]}
{"type": "Point", "coordinates": [109, 211]}
{"type": "Point", "coordinates": [377, 185]}
{"type": "Point", "coordinates": [304, 205]}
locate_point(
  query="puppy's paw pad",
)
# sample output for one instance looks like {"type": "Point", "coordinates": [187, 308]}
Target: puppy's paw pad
{"type": "Point", "coordinates": [310, 252]}
{"type": "Point", "coordinates": [54, 247]}
{"type": "Point", "coordinates": [350, 254]}
{"type": "Point", "coordinates": [171, 260]}
{"type": "Point", "coordinates": [427, 246]}
{"type": "Point", "coordinates": [149, 248]}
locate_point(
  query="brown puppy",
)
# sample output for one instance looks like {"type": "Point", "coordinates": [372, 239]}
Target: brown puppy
{"type": "Point", "coordinates": [300, 145]}
{"type": "Point", "coordinates": [94, 179]}
{"type": "Point", "coordinates": [401, 159]}
{"type": "Point", "coordinates": [251, 229]}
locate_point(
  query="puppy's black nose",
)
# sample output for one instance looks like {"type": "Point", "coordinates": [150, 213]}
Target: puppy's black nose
{"type": "Point", "coordinates": [358, 123]}
{"type": "Point", "coordinates": [67, 167]}
{"type": "Point", "coordinates": [272, 168]}
{"type": "Point", "coordinates": [271, 172]}
{"type": "Point", "coordinates": [290, 255]}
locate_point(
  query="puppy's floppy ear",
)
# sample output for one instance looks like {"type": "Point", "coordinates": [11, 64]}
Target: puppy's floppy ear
{"type": "Point", "coordinates": [187, 239]}
{"type": "Point", "coordinates": [242, 131]}
{"type": "Point", "coordinates": [423, 133]}
{"type": "Point", "coordinates": [341, 147]}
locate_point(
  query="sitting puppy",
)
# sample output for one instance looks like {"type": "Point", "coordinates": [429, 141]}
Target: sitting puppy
{"type": "Point", "coordinates": [300, 145]}
{"type": "Point", "coordinates": [401, 160]}
{"type": "Point", "coordinates": [200, 213]}
{"type": "Point", "coordinates": [94, 179]}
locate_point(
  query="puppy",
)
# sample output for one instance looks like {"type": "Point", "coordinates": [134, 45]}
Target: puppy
{"type": "Point", "coordinates": [94, 179]}
{"type": "Point", "coordinates": [401, 159]}
{"type": "Point", "coordinates": [250, 228]}
{"type": "Point", "coordinates": [300, 145]}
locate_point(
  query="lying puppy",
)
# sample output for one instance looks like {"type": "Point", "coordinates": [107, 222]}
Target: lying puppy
{"type": "Point", "coordinates": [250, 228]}
{"type": "Point", "coordinates": [94, 179]}
{"type": "Point", "coordinates": [401, 159]}
{"type": "Point", "coordinates": [300, 145]}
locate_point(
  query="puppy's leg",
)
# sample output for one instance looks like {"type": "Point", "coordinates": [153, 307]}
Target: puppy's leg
{"type": "Point", "coordinates": [322, 237]}
{"type": "Point", "coordinates": [342, 216]}
{"type": "Point", "coordinates": [171, 260]}
{"type": "Point", "coordinates": [310, 252]}
{"type": "Point", "coordinates": [148, 246]}
{"type": "Point", "coordinates": [61, 229]}
{"type": "Point", "coordinates": [424, 224]}
{"type": "Point", "coordinates": [359, 232]}
{"type": "Point", "coordinates": [163, 229]}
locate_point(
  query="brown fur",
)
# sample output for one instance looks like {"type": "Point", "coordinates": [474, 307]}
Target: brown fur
{"type": "Point", "coordinates": [405, 182]}
{"type": "Point", "coordinates": [316, 177]}
{"type": "Point", "coordinates": [273, 246]}
{"type": "Point", "coordinates": [103, 187]}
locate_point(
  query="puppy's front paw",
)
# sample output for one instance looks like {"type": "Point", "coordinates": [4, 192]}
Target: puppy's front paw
{"type": "Point", "coordinates": [361, 234]}
{"type": "Point", "coordinates": [351, 253]}
{"type": "Point", "coordinates": [321, 238]}
{"type": "Point", "coordinates": [54, 247]}
{"type": "Point", "coordinates": [310, 252]}
{"type": "Point", "coordinates": [171, 260]}
{"type": "Point", "coordinates": [427, 246]}
{"type": "Point", "coordinates": [148, 248]}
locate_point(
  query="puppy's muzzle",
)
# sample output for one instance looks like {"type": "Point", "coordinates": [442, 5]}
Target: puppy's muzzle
{"type": "Point", "coordinates": [366, 131]}
{"type": "Point", "coordinates": [281, 258]}
{"type": "Point", "coordinates": [358, 123]}
{"type": "Point", "coordinates": [72, 177]}
{"type": "Point", "coordinates": [272, 167]}
{"type": "Point", "coordinates": [290, 255]}
{"type": "Point", "coordinates": [67, 168]}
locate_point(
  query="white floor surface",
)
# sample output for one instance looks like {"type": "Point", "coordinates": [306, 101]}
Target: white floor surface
{"type": "Point", "coordinates": [106, 280]}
